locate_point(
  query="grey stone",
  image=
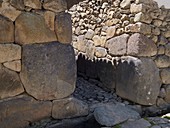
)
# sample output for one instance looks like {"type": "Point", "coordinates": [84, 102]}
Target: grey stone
{"type": "Point", "coordinates": [117, 45]}
{"type": "Point", "coordinates": [136, 124]}
{"type": "Point", "coordinates": [19, 4]}
{"type": "Point", "coordinates": [89, 34]}
{"type": "Point", "coordinates": [10, 84]}
{"type": "Point", "coordinates": [167, 97]}
{"type": "Point", "coordinates": [110, 115]}
{"type": "Point", "coordinates": [100, 52]}
{"type": "Point", "coordinates": [48, 70]}
{"type": "Point", "coordinates": [19, 111]}
{"type": "Point", "coordinates": [63, 28]}
{"type": "Point", "coordinates": [140, 45]}
{"type": "Point", "coordinates": [69, 108]}
{"type": "Point", "coordinates": [138, 80]}
{"type": "Point", "coordinates": [167, 49]}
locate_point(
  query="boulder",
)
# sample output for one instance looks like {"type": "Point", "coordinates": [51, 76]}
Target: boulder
{"type": "Point", "coordinates": [7, 30]}
{"type": "Point", "coordinates": [9, 52]}
{"type": "Point", "coordinates": [113, 114]}
{"type": "Point", "coordinates": [69, 108]}
{"type": "Point", "coordinates": [138, 80]}
{"type": "Point", "coordinates": [31, 28]}
{"type": "Point", "coordinates": [117, 45]}
{"type": "Point", "coordinates": [10, 84]}
{"type": "Point", "coordinates": [19, 111]}
{"type": "Point", "coordinates": [63, 28]}
{"type": "Point", "coordinates": [140, 45]}
{"type": "Point", "coordinates": [48, 70]}
{"type": "Point", "coordinates": [55, 5]}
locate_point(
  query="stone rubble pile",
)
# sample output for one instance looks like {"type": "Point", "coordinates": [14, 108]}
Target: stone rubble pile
{"type": "Point", "coordinates": [134, 36]}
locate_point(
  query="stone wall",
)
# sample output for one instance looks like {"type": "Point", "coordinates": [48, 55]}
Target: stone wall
{"type": "Point", "coordinates": [37, 62]}
{"type": "Point", "coordinates": [131, 35]}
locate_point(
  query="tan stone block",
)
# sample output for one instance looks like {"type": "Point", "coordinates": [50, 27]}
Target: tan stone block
{"type": "Point", "coordinates": [100, 52]}
{"type": "Point", "coordinates": [9, 52]}
{"type": "Point", "coordinates": [63, 28]}
{"type": "Point", "coordinates": [136, 8]}
{"type": "Point", "coordinates": [49, 19]}
{"type": "Point", "coordinates": [162, 61]}
{"type": "Point", "coordinates": [55, 5]}
{"type": "Point", "coordinates": [10, 84]}
{"type": "Point", "coordinates": [9, 11]}
{"type": "Point", "coordinates": [13, 65]}
{"type": "Point", "coordinates": [35, 4]}
{"type": "Point", "coordinates": [141, 17]}
{"type": "Point", "coordinates": [140, 45]}
{"type": "Point", "coordinates": [167, 49]}
{"type": "Point", "coordinates": [6, 30]}
{"type": "Point", "coordinates": [110, 32]}
{"type": "Point", "coordinates": [18, 4]}
{"type": "Point", "coordinates": [31, 28]}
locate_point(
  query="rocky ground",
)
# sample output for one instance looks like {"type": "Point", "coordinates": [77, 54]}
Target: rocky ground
{"type": "Point", "coordinates": [106, 110]}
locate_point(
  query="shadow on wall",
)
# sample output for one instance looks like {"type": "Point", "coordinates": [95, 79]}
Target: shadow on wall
{"type": "Point", "coordinates": [98, 69]}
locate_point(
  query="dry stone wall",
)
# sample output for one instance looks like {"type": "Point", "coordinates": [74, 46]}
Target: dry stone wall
{"type": "Point", "coordinates": [132, 35]}
{"type": "Point", "coordinates": [37, 62]}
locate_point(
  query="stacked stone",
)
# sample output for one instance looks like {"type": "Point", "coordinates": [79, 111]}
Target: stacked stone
{"type": "Point", "coordinates": [133, 33]}
{"type": "Point", "coordinates": [38, 66]}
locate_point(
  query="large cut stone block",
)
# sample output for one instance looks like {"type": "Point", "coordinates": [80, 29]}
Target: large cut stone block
{"type": "Point", "coordinates": [18, 112]}
{"type": "Point", "coordinates": [31, 28]}
{"type": "Point", "coordinates": [138, 80]}
{"type": "Point", "coordinates": [6, 30]}
{"type": "Point", "coordinates": [69, 108]}
{"type": "Point", "coordinates": [55, 5]}
{"type": "Point", "coordinates": [10, 84]}
{"type": "Point", "coordinates": [117, 45]}
{"type": "Point", "coordinates": [140, 45]}
{"type": "Point", "coordinates": [48, 70]}
{"type": "Point", "coordinates": [63, 28]}
{"type": "Point", "coordinates": [9, 52]}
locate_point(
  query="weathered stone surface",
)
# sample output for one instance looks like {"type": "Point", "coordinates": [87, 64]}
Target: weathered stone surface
{"type": "Point", "coordinates": [142, 123]}
{"type": "Point", "coordinates": [9, 52]}
{"type": "Point", "coordinates": [99, 40]}
{"type": "Point", "coordinates": [31, 28]}
{"type": "Point", "coordinates": [63, 28]}
{"type": "Point", "coordinates": [35, 4]}
{"type": "Point", "coordinates": [117, 45]}
{"type": "Point", "coordinates": [9, 11]}
{"type": "Point", "coordinates": [110, 32]}
{"type": "Point", "coordinates": [138, 27]}
{"type": "Point", "coordinates": [81, 43]}
{"type": "Point", "coordinates": [89, 34]}
{"type": "Point", "coordinates": [18, 112]}
{"type": "Point", "coordinates": [100, 52]}
{"type": "Point", "coordinates": [48, 70]}
{"type": "Point", "coordinates": [90, 49]}
{"type": "Point", "coordinates": [125, 4]}
{"type": "Point", "coordinates": [162, 61]}
{"type": "Point", "coordinates": [167, 97]}
{"type": "Point", "coordinates": [69, 108]}
{"type": "Point", "coordinates": [136, 8]}
{"type": "Point", "coordinates": [13, 65]}
{"type": "Point", "coordinates": [110, 115]}
{"type": "Point", "coordinates": [49, 19]}
{"type": "Point", "coordinates": [167, 49]}
{"type": "Point", "coordinates": [136, 80]}
{"type": "Point", "coordinates": [10, 84]}
{"type": "Point", "coordinates": [6, 30]}
{"type": "Point", "coordinates": [141, 17]}
{"type": "Point", "coordinates": [18, 4]}
{"type": "Point", "coordinates": [140, 45]}
{"type": "Point", "coordinates": [165, 75]}
{"type": "Point", "coordinates": [55, 5]}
